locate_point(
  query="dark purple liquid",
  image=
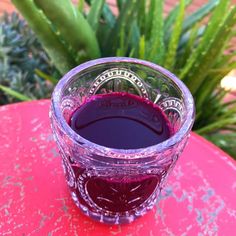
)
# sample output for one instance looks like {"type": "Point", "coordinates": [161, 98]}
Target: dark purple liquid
{"type": "Point", "coordinates": [122, 121]}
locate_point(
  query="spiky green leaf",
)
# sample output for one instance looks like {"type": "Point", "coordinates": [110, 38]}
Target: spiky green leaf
{"type": "Point", "coordinates": [174, 41]}
{"type": "Point", "coordinates": [142, 47]}
{"type": "Point", "coordinates": [141, 16]}
{"type": "Point", "coordinates": [171, 18]}
{"type": "Point", "coordinates": [95, 13]}
{"type": "Point", "coordinates": [58, 52]}
{"type": "Point", "coordinates": [217, 125]}
{"type": "Point", "coordinates": [156, 45]}
{"type": "Point", "coordinates": [189, 46]}
{"type": "Point", "coordinates": [149, 19]}
{"type": "Point", "coordinates": [199, 14]}
{"type": "Point", "coordinates": [66, 19]}
{"type": "Point", "coordinates": [210, 54]}
{"type": "Point", "coordinates": [124, 21]}
{"type": "Point", "coordinates": [45, 76]}
{"type": "Point", "coordinates": [108, 16]}
{"type": "Point", "coordinates": [81, 5]}
{"type": "Point", "coordinates": [14, 93]}
{"type": "Point", "coordinates": [213, 24]}
{"type": "Point", "coordinates": [120, 4]}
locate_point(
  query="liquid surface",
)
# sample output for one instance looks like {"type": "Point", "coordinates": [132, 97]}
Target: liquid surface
{"type": "Point", "coordinates": [121, 120]}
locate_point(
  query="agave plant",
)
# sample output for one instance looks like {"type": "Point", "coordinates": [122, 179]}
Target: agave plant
{"type": "Point", "coordinates": [183, 43]}
{"type": "Point", "coordinates": [20, 55]}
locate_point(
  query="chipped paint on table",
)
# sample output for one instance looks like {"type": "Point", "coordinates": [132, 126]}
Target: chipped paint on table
{"type": "Point", "coordinates": [199, 198]}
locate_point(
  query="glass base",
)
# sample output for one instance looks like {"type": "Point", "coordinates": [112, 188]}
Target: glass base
{"type": "Point", "coordinates": [118, 218]}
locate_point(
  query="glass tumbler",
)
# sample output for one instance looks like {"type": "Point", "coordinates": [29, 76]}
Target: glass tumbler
{"type": "Point", "coordinates": [118, 185]}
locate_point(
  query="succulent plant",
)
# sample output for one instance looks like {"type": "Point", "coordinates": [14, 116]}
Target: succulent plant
{"type": "Point", "coordinates": [20, 54]}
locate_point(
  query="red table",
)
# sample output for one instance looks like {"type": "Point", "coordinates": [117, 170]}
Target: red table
{"type": "Point", "coordinates": [199, 199]}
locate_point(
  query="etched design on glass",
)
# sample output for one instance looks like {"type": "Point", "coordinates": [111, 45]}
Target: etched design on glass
{"type": "Point", "coordinates": [119, 194]}
{"type": "Point", "coordinates": [174, 104]}
{"type": "Point", "coordinates": [67, 107]}
{"type": "Point", "coordinates": [117, 76]}
{"type": "Point", "coordinates": [174, 109]}
{"type": "Point", "coordinates": [69, 173]}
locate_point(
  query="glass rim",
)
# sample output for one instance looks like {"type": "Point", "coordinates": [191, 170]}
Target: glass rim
{"type": "Point", "coordinates": [85, 143]}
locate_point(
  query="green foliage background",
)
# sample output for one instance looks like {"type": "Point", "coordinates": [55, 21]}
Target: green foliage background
{"type": "Point", "coordinates": [193, 50]}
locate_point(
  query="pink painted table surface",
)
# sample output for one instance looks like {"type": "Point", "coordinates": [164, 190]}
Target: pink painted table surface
{"type": "Point", "coordinates": [199, 198]}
